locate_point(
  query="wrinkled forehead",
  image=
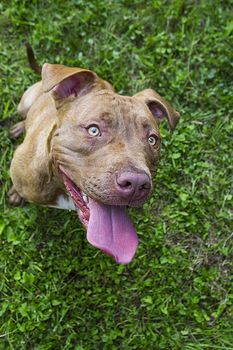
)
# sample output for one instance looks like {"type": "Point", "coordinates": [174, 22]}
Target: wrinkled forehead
{"type": "Point", "coordinates": [111, 107]}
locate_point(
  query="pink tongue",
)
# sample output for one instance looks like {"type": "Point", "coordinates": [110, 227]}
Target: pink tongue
{"type": "Point", "coordinates": [110, 230]}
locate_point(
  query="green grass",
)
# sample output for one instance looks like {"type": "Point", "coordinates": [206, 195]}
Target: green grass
{"type": "Point", "coordinates": [56, 291]}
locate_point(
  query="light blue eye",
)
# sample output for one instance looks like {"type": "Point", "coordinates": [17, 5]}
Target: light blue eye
{"type": "Point", "coordinates": [152, 140]}
{"type": "Point", "coordinates": [93, 130]}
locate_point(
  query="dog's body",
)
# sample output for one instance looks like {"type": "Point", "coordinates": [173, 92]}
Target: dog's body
{"type": "Point", "coordinates": [85, 141]}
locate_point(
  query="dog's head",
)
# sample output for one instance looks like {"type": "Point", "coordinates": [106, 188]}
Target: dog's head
{"type": "Point", "coordinates": [106, 147]}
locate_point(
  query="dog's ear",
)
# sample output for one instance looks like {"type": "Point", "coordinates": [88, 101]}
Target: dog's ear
{"type": "Point", "coordinates": [66, 82]}
{"type": "Point", "coordinates": [159, 107]}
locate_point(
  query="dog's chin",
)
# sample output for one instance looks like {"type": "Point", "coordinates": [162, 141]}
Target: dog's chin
{"type": "Point", "coordinates": [107, 223]}
{"type": "Point", "coordinates": [114, 199]}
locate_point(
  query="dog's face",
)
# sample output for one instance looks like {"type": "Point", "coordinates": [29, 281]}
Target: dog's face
{"type": "Point", "coordinates": [108, 144]}
{"type": "Point", "coordinates": [106, 147]}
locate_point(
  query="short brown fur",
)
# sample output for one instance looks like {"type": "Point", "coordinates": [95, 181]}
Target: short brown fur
{"type": "Point", "coordinates": [56, 124]}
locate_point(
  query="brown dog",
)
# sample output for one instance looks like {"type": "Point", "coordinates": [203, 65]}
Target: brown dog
{"type": "Point", "coordinates": [90, 149]}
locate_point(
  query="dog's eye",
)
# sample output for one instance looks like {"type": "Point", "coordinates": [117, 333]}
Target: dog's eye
{"type": "Point", "coordinates": [152, 139]}
{"type": "Point", "coordinates": [93, 130]}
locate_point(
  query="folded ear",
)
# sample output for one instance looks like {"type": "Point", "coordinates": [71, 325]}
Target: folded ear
{"type": "Point", "coordinates": [159, 107]}
{"type": "Point", "coordinates": [66, 81]}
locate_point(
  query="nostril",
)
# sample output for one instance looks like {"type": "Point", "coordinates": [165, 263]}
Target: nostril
{"type": "Point", "coordinates": [127, 184]}
{"type": "Point", "coordinates": [124, 183]}
{"type": "Point", "coordinates": [145, 186]}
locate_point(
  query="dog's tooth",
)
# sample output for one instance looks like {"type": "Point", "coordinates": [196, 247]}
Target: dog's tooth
{"type": "Point", "coordinates": [85, 197]}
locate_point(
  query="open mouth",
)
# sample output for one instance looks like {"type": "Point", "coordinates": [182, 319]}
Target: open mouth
{"type": "Point", "coordinates": [108, 226]}
{"type": "Point", "coordinates": [79, 198]}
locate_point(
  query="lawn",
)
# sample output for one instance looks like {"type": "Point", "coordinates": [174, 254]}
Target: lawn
{"type": "Point", "coordinates": [58, 292]}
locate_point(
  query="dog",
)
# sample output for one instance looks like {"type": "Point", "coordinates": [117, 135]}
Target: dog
{"type": "Point", "coordinates": [88, 149]}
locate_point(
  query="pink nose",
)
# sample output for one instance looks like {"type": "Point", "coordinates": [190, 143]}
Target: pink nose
{"type": "Point", "coordinates": [133, 185]}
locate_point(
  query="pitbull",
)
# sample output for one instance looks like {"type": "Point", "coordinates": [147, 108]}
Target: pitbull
{"type": "Point", "coordinates": [89, 149]}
